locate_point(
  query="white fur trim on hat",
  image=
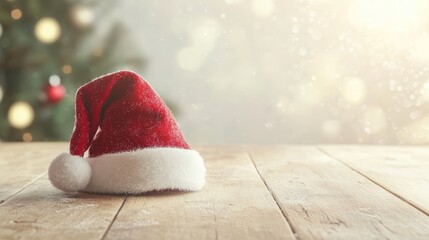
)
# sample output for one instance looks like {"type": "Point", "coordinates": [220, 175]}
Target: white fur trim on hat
{"type": "Point", "coordinates": [146, 170]}
{"type": "Point", "coordinates": [69, 173]}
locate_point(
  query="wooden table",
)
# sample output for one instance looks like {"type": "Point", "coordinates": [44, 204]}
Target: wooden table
{"type": "Point", "coordinates": [276, 192]}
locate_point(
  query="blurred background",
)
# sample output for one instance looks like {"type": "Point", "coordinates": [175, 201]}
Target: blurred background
{"type": "Point", "coordinates": [233, 71]}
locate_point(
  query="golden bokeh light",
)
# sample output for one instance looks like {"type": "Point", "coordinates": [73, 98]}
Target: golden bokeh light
{"type": "Point", "coordinates": [20, 115]}
{"type": "Point", "coordinates": [82, 16]}
{"type": "Point", "coordinates": [16, 14]}
{"type": "Point", "coordinates": [67, 69]}
{"type": "Point", "coordinates": [47, 30]}
{"type": "Point", "coordinates": [27, 137]}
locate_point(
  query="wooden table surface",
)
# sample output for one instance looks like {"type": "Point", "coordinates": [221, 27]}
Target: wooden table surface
{"type": "Point", "coordinates": [276, 192]}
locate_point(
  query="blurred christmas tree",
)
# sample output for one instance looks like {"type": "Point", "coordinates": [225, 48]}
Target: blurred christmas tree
{"type": "Point", "coordinates": [47, 49]}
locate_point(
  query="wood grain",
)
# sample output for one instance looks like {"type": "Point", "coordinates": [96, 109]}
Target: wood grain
{"type": "Point", "coordinates": [42, 212]}
{"type": "Point", "coordinates": [234, 204]}
{"type": "Point", "coordinates": [338, 195]}
{"type": "Point", "coordinates": [403, 171]}
{"type": "Point", "coordinates": [24, 163]}
{"type": "Point", "coordinates": [324, 199]}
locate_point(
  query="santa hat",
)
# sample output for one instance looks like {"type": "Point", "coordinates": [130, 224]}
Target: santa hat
{"type": "Point", "coordinates": [133, 142]}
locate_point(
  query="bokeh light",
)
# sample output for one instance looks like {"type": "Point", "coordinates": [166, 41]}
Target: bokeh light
{"type": "Point", "coordinates": [67, 69]}
{"type": "Point", "coordinates": [16, 14]}
{"type": "Point", "coordinates": [54, 80]}
{"type": "Point", "coordinates": [20, 115]}
{"type": "Point", "coordinates": [47, 30]}
{"type": "Point", "coordinates": [27, 137]}
{"type": "Point", "coordinates": [82, 15]}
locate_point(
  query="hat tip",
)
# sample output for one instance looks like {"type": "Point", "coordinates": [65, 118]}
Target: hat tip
{"type": "Point", "coordinates": [69, 173]}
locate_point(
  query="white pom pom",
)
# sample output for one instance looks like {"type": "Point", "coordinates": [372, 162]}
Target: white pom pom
{"type": "Point", "coordinates": [69, 173]}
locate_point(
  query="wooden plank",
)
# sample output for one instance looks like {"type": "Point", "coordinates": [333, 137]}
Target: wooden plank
{"type": "Point", "coordinates": [234, 204]}
{"type": "Point", "coordinates": [41, 212]}
{"type": "Point", "coordinates": [23, 163]}
{"type": "Point", "coordinates": [403, 171]}
{"type": "Point", "coordinates": [324, 199]}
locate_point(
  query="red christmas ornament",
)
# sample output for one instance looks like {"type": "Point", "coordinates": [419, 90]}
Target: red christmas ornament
{"type": "Point", "coordinates": [54, 91]}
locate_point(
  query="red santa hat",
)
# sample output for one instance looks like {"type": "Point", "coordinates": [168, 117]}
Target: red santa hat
{"type": "Point", "coordinates": [133, 142]}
